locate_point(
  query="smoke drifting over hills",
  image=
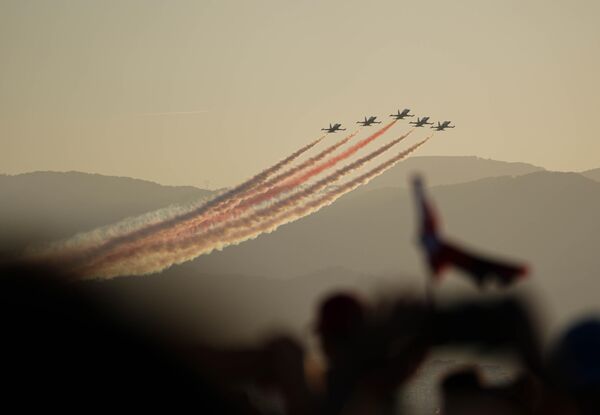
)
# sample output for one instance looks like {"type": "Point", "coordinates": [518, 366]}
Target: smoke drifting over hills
{"type": "Point", "coordinates": [181, 233]}
{"type": "Point", "coordinates": [364, 240]}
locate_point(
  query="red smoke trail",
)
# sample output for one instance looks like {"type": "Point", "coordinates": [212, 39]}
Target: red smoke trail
{"type": "Point", "coordinates": [318, 203]}
{"type": "Point", "coordinates": [243, 229]}
{"type": "Point", "coordinates": [321, 184]}
{"type": "Point", "coordinates": [231, 203]}
{"type": "Point", "coordinates": [269, 189]}
{"type": "Point", "coordinates": [302, 178]}
{"type": "Point", "coordinates": [131, 259]}
{"type": "Point", "coordinates": [240, 202]}
{"type": "Point", "coordinates": [289, 173]}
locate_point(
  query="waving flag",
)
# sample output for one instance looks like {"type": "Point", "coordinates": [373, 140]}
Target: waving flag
{"type": "Point", "coordinates": [441, 254]}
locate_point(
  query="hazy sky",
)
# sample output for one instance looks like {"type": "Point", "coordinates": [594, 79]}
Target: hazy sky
{"type": "Point", "coordinates": [89, 85]}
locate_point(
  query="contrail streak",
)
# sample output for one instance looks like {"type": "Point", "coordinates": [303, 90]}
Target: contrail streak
{"type": "Point", "coordinates": [303, 166]}
{"type": "Point", "coordinates": [246, 229]}
{"type": "Point", "coordinates": [66, 249]}
{"type": "Point", "coordinates": [302, 178]}
{"type": "Point", "coordinates": [319, 185]}
{"type": "Point", "coordinates": [315, 204]}
{"type": "Point", "coordinates": [208, 211]}
{"type": "Point", "coordinates": [98, 242]}
{"type": "Point", "coordinates": [245, 196]}
{"type": "Point", "coordinates": [142, 260]}
{"type": "Point", "coordinates": [271, 189]}
{"type": "Point", "coordinates": [150, 114]}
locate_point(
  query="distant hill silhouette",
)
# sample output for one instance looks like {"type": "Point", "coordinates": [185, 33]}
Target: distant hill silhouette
{"type": "Point", "coordinates": [593, 174]}
{"type": "Point", "coordinates": [364, 240]}
{"type": "Point", "coordinates": [43, 206]}
{"type": "Point", "coordinates": [450, 170]}
{"type": "Point", "coordinates": [547, 219]}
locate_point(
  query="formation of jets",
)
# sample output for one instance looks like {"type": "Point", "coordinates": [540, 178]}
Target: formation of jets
{"type": "Point", "coordinates": [400, 115]}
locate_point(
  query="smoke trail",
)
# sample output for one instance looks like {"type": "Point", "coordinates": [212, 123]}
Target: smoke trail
{"type": "Point", "coordinates": [159, 241]}
{"type": "Point", "coordinates": [316, 187]}
{"type": "Point", "coordinates": [302, 178]}
{"type": "Point", "coordinates": [245, 196]}
{"type": "Point", "coordinates": [218, 239]}
{"type": "Point", "coordinates": [309, 162]}
{"type": "Point", "coordinates": [200, 216]}
{"type": "Point", "coordinates": [269, 188]}
{"type": "Point", "coordinates": [326, 200]}
{"type": "Point", "coordinates": [66, 248]}
{"type": "Point", "coordinates": [136, 260]}
{"type": "Point", "coordinates": [104, 240]}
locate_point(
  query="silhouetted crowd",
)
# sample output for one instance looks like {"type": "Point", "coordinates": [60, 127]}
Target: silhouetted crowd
{"type": "Point", "coordinates": [63, 350]}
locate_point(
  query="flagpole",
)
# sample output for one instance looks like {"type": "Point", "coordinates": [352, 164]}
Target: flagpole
{"type": "Point", "coordinates": [430, 289]}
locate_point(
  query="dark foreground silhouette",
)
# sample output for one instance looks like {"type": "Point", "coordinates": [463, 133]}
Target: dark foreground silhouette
{"type": "Point", "coordinates": [61, 350]}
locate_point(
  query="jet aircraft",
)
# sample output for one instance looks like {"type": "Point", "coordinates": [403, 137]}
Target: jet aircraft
{"type": "Point", "coordinates": [439, 253]}
{"type": "Point", "coordinates": [401, 115]}
{"type": "Point", "coordinates": [421, 122]}
{"type": "Point", "coordinates": [333, 128]}
{"type": "Point", "coordinates": [369, 121]}
{"type": "Point", "coordinates": [442, 126]}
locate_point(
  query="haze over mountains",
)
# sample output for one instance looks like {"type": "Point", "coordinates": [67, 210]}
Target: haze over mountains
{"type": "Point", "coordinates": [364, 240]}
{"type": "Point", "coordinates": [441, 170]}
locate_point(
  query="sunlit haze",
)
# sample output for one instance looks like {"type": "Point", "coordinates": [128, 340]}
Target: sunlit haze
{"type": "Point", "coordinates": [208, 93]}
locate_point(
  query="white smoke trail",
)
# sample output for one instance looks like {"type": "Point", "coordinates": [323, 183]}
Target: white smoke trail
{"type": "Point", "coordinates": [295, 181]}
{"type": "Point", "coordinates": [244, 197]}
{"type": "Point", "coordinates": [294, 170]}
{"type": "Point", "coordinates": [95, 242]}
{"type": "Point", "coordinates": [90, 239]}
{"type": "Point", "coordinates": [167, 253]}
{"type": "Point", "coordinates": [295, 177]}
